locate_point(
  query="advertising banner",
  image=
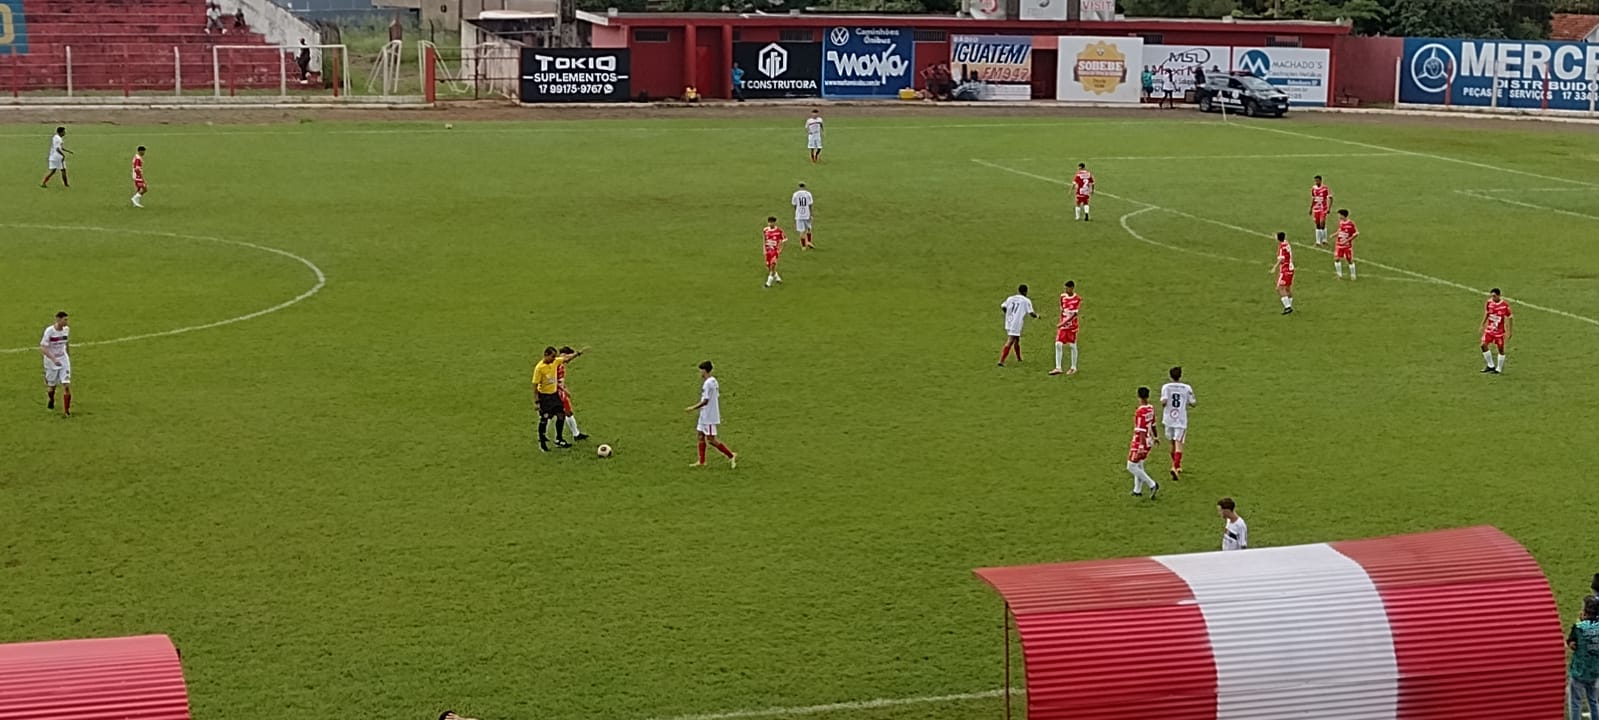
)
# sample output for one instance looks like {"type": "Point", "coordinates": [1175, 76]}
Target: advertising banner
{"type": "Point", "coordinates": [1181, 60]}
{"type": "Point", "coordinates": [1097, 9]}
{"type": "Point", "coordinates": [13, 31]}
{"type": "Point", "coordinates": [867, 62]}
{"type": "Point", "coordinates": [1099, 69]}
{"type": "Point", "coordinates": [1004, 63]}
{"type": "Point", "coordinates": [1303, 73]}
{"type": "Point", "coordinates": [780, 69]}
{"type": "Point", "coordinates": [575, 75]}
{"type": "Point", "coordinates": [1044, 9]}
{"type": "Point", "coordinates": [1532, 74]}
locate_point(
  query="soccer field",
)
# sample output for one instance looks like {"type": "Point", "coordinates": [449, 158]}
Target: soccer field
{"type": "Point", "coordinates": [337, 506]}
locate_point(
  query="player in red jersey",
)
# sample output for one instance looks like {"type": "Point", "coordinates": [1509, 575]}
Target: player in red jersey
{"type": "Point", "coordinates": [1284, 270]}
{"type": "Point", "coordinates": [1320, 202]}
{"type": "Point", "coordinates": [1083, 186]}
{"type": "Point", "coordinates": [1143, 440]}
{"type": "Point", "coordinates": [772, 242]}
{"type": "Point", "coordinates": [1066, 333]}
{"type": "Point", "coordinates": [139, 188]}
{"type": "Point", "coordinates": [1495, 331]}
{"type": "Point", "coordinates": [1344, 245]}
{"type": "Point", "coordinates": [566, 397]}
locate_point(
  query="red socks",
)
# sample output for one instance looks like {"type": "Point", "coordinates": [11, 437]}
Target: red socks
{"type": "Point", "coordinates": [1176, 460]}
{"type": "Point", "coordinates": [702, 451]}
{"type": "Point", "coordinates": [1004, 353]}
{"type": "Point", "coordinates": [66, 400]}
{"type": "Point", "coordinates": [722, 448]}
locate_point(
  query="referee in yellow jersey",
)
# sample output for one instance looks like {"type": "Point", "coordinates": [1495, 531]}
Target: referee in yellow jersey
{"type": "Point", "coordinates": [546, 394]}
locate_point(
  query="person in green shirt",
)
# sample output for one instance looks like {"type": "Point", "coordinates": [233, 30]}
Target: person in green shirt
{"type": "Point", "coordinates": [1582, 675]}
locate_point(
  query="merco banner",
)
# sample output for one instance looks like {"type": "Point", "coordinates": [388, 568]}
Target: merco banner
{"type": "Point", "coordinates": [1004, 63]}
{"type": "Point", "coordinates": [780, 69]}
{"type": "Point", "coordinates": [867, 62]}
{"type": "Point", "coordinates": [1099, 69]}
{"type": "Point", "coordinates": [1531, 73]}
{"type": "Point", "coordinates": [574, 75]}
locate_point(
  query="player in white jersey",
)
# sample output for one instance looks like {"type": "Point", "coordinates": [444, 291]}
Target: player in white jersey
{"type": "Point", "coordinates": [813, 135]}
{"type": "Point", "coordinates": [803, 202]}
{"type": "Point", "coordinates": [58, 158]}
{"type": "Point", "coordinates": [1235, 534]}
{"type": "Point", "coordinates": [710, 409]}
{"type": "Point", "coordinates": [57, 363]}
{"type": "Point", "coordinates": [1175, 399]}
{"type": "Point", "coordinates": [1017, 309]}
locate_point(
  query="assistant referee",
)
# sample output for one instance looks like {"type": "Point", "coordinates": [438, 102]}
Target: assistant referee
{"type": "Point", "coordinates": [546, 394]}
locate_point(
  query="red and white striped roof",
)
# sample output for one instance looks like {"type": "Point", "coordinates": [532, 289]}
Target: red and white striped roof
{"type": "Point", "coordinates": [130, 678]}
{"type": "Point", "coordinates": [1450, 624]}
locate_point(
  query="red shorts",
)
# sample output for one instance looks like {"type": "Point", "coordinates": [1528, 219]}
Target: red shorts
{"type": "Point", "coordinates": [1344, 252]}
{"type": "Point", "coordinates": [1137, 453]}
{"type": "Point", "coordinates": [1496, 339]}
{"type": "Point", "coordinates": [1066, 335]}
{"type": "Point", "coordinates": [1320, 216]}
{"type": "Point", "coordinates": [771, 258]}
{"type": "Point", "coordinates": [566, 400]}
{"type": "Point", "coordinates": [1285, 279]}
{"type": "Point", "coordinates": [1082, 199]}
{"type": "Point", "coordinates": [139, 185]}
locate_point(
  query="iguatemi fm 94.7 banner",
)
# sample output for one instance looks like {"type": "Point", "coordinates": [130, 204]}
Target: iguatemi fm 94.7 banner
{"type": "Point", "coordinates": [1004, 64]}
{"type": "Point", "coordinates": [1530, 73]}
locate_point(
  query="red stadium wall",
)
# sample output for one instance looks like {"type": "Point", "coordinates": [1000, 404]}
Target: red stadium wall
{"type": "Point", "coordinates": [1367, 69]}
{"type": "Point", "coordinates": [131, 678]}
{"type": "Point", "coordinates": [658, 66]}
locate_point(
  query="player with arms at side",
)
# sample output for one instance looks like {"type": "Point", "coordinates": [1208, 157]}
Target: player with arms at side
{"type": "Point", "coordinates": [803, 201]}
{"type": "Point", "coordinates": [1175, 398]}
{"type": "Point", "coordinates": [772, 240]}
{"type": "Point", "coordinates": [1344, 245]}
{"type": "Point", "coordinates": [1083, 188]}
{"type": "Point", "coordinates": [58, 158]}
{"type": "Point", "coordinates": [57, 363]}
{"type": "Point", "coordinates": [1066, 334]}
{"type": "Point", "coordinates": [710, 409]}
{"type": "Point", "coordinates": [139, 188]}
{"type": "Point", "coordinates": [1143, 441]}
{"type": "Point", "coordinates": [1284, 270]}
{"type": "Point", "coordinates": [1017, 308]}
{"type": "Point", "coordinates": [813, 135]}
{"type": "Point", "coordinates": [1495, 331]}
{"type": "Point", "coordinates": [1320, 205]}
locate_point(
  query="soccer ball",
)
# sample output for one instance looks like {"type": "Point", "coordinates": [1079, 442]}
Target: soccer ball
{"type": "Point", "coordinates": [603, 451]}
{"type": "Point", "coordinates": [449, 126]}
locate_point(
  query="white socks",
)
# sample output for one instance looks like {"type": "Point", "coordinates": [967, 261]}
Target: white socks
{"type": "Point", "coordinates": [1085, 212]}
{"type": "Point", "coordinates": [1059, 350]}
{"type": "Point", "coordinates": [1140, 478]}
{"type": "Point", "coordinates": [1077, 212]}
{"type": "Point", "coordinates": [1488, 359]}
{"type": "Point", "coordinates": [1351, 270]}
{"type": "Point", "coordinates": [1074, 357]}
{"type": "Point", "coordinates": [136, 197]}
{"type": "Point", "coordinates": [773, 277]}
{"type": "Point", "coordinates": [1500, 366]}
{"type": "Point", "coordinates": [1288, 302]}
{"type": "Point", "coordinates": [571, 426]}
{"type": "Point", "coordinates": [1338, 267]}
{"type": "Point", "coordinates": [1321, 236]}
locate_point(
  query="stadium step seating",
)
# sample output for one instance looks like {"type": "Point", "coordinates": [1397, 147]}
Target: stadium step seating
{"type": "Point", "coordinates": [127, 44]}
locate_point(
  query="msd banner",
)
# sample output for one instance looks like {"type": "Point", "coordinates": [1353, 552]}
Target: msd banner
{"type": "Point", "coordinates": [1303, 73]}
{"type": "Point", "coordinates": [1531, 74]}
{"type": "Point", "coordinates": [1004, 62]}
{"type": "Point", "coordinates": [867, 62]}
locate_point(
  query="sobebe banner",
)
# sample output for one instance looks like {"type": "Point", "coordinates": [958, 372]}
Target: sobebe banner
{"type": "Point", "coordinates": [867, 62]}
{"type": "Point", "coordinates": [1099, 69]}
{"type": "Point", "coordinates": [1182, 59]}
{"type": "Point", "coordinates": [1303, 73]}
{"type": "Point", "coordinates": [1436, 71]}
{"type": "Point", "coordinates": [1004, 62]}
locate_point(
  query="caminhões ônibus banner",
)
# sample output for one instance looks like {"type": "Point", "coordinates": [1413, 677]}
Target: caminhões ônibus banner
{"type": "Point", "coordinates": [1522, 74]}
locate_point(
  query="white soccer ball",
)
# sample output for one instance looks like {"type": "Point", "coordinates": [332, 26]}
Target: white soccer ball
{"type": "Point", "coordinates": [603, 451]}
{"type": "Point", "coordinates": [449, 126]}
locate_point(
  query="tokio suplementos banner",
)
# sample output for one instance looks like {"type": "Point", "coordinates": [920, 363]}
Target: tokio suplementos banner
{"type": "Point", "coordinates": [867, 62]}
{"type": "Point", "coordinates": [780, 69]}
{"type": "Point", "coordinates": [1181, 61]}
{"type": "Point", "coordinates": [1531, 73]}
{"type": "Point", "coordinates": [575, 75]}
{"type": "Point", "coordinates": [1099, 69]}
{"type": "Point", "coordinates": [1003, 62]}
{"type": "Point", "coordinates": [1303, 73]}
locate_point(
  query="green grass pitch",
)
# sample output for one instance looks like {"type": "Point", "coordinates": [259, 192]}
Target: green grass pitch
{"type": "Point", "coordinates": [338, 507]}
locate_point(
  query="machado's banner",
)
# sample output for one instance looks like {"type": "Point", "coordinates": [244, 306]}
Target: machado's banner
{"type": "Point", "coordinates": [1303, 73]}
{"type": "Point", "coordinates": [1439, 71]}
{"type": "Point", "coordinates": [780, 69]}
{"type": "Point", "coordinates": [867, 62]}
{"type": "Point", "coordinates": [1099, 69]}
{"type": "Point", "coordinates": [1002, 62]}
{"type": "Point", "coordinates": [575, 75]}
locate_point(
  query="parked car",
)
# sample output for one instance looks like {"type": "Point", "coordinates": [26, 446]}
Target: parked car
{"type": "Point", "coordinates": [1247, 94]}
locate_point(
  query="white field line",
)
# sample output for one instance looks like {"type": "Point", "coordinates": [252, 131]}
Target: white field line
{"type": "Point", "coordinates": [321, 280]}
{"type": "Point", "coordinates": [1137, 235]}
{"type": "Point", "coordinates": [1119, 158]}
{"type": "Point", "coordinates": [1540, 189]}
{"type": "Point", "coordinates": [1481, 195]}
{"type": "Point", "coordinates": [1385, 266]}
{"type": "Point", "coordinates": [852, 706]}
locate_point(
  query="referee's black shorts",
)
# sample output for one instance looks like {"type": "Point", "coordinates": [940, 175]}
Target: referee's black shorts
{"type": "Point", "coordinates": [550, 405]}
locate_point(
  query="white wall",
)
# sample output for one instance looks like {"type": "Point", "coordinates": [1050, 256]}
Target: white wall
{"type": "Point", "coordinates": [280, 26]}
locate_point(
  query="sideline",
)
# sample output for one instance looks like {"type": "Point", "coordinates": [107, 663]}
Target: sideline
{"type": "Point", "coordinates": [774, 712]}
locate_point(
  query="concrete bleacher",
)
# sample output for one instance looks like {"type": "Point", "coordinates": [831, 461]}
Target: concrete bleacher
{"type": "Point", "coordinates": [128, 45]}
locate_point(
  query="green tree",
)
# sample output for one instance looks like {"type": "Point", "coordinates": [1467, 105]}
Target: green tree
{"type": "Point", "coordinates": [1522, 19]}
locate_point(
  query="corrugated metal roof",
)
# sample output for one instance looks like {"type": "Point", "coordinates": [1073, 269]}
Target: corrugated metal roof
{"type": "Point", "coordinates": [1414, 627]}
{"type": "Point", "coordinates": [131, 678]}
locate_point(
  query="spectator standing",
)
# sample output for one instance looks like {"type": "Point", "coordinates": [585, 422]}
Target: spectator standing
{"type": "Point", "coordinates": [738, 83]}
{"type": "Point", "coordinates": [304, 61]}
{"type": "Point", "coordinates": [1148, 81]}
{"type": "Point", "coordinates": [238, 20]}
{"type": "Point", "coordinates": [1199, 76]}
{"type": "Point", "coordinates": [1582, 675]}
{"type": "Point", "coordinates": [396, 30]}
{"type": "Point", "coordinates": [1168, 86]}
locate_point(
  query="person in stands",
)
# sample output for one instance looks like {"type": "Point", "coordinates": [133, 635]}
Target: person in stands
{"type": "Point", "coordinates": [238, 20]}
{"type": "Point", "coordinates": [213, 18]}
{"type": "Point", "coordinates": [304, 61]}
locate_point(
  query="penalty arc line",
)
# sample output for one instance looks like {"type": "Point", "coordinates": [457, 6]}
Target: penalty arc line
{"type": "Point", "coordinates": [321, 280]}
{"type": "Point", "coordinates": [856, 705]}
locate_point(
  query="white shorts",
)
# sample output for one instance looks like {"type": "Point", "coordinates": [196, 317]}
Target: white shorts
{"type": "Point", "coordinates": [706, 430]}
{"type": "Point", "coordinates": [802, 224]}
{"type": "Point", "coordinates": [1178, 434]}
{"type": "Point", "coordinates": [1013, 332]}
{"type": "Point", "coordinates": [57, 163]}
{"type": "Point", "coordinates": [54, 376]}
{"type": "Point", "coordinates": [813, 142]}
